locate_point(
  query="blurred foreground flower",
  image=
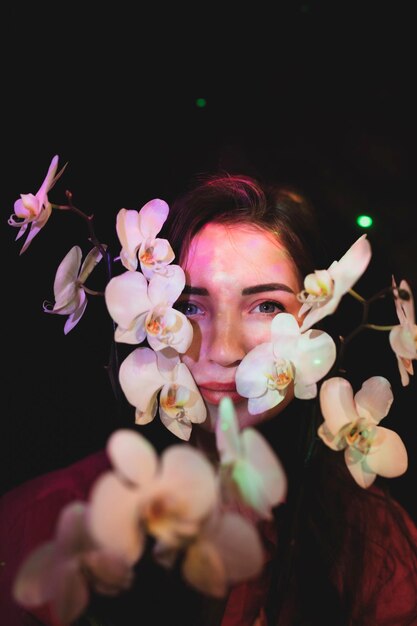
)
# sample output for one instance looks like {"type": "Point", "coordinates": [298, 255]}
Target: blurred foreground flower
{"type": "Point", "coordinates": [324, 289]}
{"type": "Point", "coordinates": [251, 470]}
{"type": "Point", "coordinates": [62, 572]}
{"type": "Point", "coordinates": [351, 424]}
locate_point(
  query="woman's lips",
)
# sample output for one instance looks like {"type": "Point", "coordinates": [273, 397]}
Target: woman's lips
{"type": "Point", "coordinates": [214, 392]}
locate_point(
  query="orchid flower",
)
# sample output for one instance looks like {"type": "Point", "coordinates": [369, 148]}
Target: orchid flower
{"type": "Point", "coordinates": [137, 232]}
{"type": "Point", "coordinates": [324, 289]}
{"type": "Point", "coordinates": [227, 551]}
{"type": "Point", "coordinates": [144, 310]}
{"type": "Point", "coordinates": [168, 498]}
{"type": "Point", "coordinates": [62, 571]}
{"type": "Point", "coordinates": [252, 468]}
{"type": "Point", "coordinates": [351, 424]}
{"type": "Point", "coordinates": [403, 337]}
{"type": "Point", "coordinates": [70, 296]}
{"type": "Point", "coordinates": [35, 210]}
{"type": "Point", "coordinates": [265, 374]}
{"type": "Point", "coordinates": [144, 373]}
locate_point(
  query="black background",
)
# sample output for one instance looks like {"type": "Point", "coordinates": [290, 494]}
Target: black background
{"type": "Point", "coordinates": [318, 94]}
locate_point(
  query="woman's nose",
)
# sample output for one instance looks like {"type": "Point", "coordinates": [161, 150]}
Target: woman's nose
{"type": "Point", "coordinates": [226, 345]}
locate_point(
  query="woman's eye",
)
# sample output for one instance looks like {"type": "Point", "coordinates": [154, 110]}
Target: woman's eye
{"type": "Point", "coordinates": [187, 308]}
{"type": "Point", "coordinates": [268, 307]}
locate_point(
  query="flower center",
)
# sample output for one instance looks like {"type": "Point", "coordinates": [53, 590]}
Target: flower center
{"type": "Point", "coordinates": [147, 256]}
{"type": "Point", "coordinates": [174, 401]}
{"type": "Point", "coordinates": [360, 435]}
{"type": "Point", "coordinates": [283, 375]}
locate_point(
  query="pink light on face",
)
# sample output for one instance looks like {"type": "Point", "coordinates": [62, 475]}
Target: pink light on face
{"type": "Point", "coordinates": [238, 278]}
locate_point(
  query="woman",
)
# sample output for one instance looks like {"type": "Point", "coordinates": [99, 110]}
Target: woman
{"type": "Point", "coordinates": [245, 249]}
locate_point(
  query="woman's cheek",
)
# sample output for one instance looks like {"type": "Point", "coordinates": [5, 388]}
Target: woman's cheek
{"type": "Point", "coordinates": [257, 332]}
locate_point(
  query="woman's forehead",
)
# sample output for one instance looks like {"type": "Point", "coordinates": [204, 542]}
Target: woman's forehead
{"type": "Point", "coordinates": [240, 250]}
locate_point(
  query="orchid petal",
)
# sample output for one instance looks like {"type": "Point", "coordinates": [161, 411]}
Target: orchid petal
{"type": "Point", "coordinates": [152, 216]}
{"type": "Point", "coordinates": [111, 573]}
{"type": "Point", "coordinates": [315, 356]}
{"type": "Point", "coordinates": [67, 271]}
{"type": "Point", "coordinates": [130, 237]}
{"type": "Point", "coordinates": [263, 459]}
{"type": "Point", "coordinates": [374, 399]}
{"type": "Point", "coordinates": [337, 403]}
{"type": "Point", "coordinates": [93, 257]}
{"type": "Point", "coordinates": [227, 432]}
{"type": "Point", "coordinates": [126, 297]}
{"type": "Point", "coordinates": [71, 595]}
{"type": "Point", "coordinates": [181, 428]}
{"type": "Point", "coordinates": [352, 265]}
{"type": "Point", "coordinates": [164, 290]}
{"type": "Point", "coordinates": [357, 465]}
{"type": "Point", "coordinates": [76, 315]}
{"type": "Point", "coordinates": [132, 455]}
{"type": "Point", "coordinates": [32, 587]}
{"type": "Point", "coordinates": [271, 398]}
{"type": "Point", "coordinates": [140, 378]}
{"type": "Point", "coordinates": [388, 455]}
{"type": "Point", "coordinates": [114, 517]}
{"type": "Point", "coordinates": [191, 477]}
{"type": "Point", "coordinates": [255, 370]}
{"type": "Point", "coordinates": [203, 568]}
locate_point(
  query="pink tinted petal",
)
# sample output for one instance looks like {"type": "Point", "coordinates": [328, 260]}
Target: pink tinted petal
{"type": "Point", "coordinates": [358, 467]}
{"type": "Point", "coordinates": [316, 354]}
{"type": "Point", "coordinates": [36, 226]}
{"type": "Point", "coordinates": [32, 585]}
{"type": "Point", "coordinates": [251, 489]}
{"type": "Point", "coordinates": [152, 217]}
{"type": "Point", "coordinates": [130, 237]}
{"type": "Point", "coordinates": [374, 398]}
{"type": "Point", "coordinates": [71, 595]}
{"type": "Point", "coordinates": [164, 289]}
{"type": "Point", "coordinates": [135, 333]}
{"type": "Point", "coordinates": [337, 404]}
{"type": "Point", "coordinates": [132, 455]}
{"type": "Point", "coordinates": [317, 312]}
{"type": "Point", "coordinates": [71, 531]}
{"type": "Point", "coordinates": [254, 371]}
{"type": "Point", "coordinates": [285, 328]}
{"type": "Point", "coordinates": [332, 441]}
{"type": "Point", "coordinates": [126, 297]}
{"type": "Point", "coordinates": [93, 257]}
{"type": "Point", "coordinates": [140, 378]}
{"type": "Point", "coordinates": [267, 401]}
{"type": "Point", "coordinates": [388, 455]}
{"type": "Point", "coordinates": [75, 317]}
{"type": "Point", "coordinates": [204, 570]}
{"type": "Point", "coordinates": [178, 335]}
{"type": "Point", "coordinates": [240, 547]}
{"type": "Point", "coordinates": [352, 265]}
{"type": "Point", "coordinates": [404, 371]}
{"type": "Point", "coordinates": [227, 432]}
{"type": "Point", "coordinates": [50, 178]}
{"type": "Point", "coordinates": [304, 391]}
{"type": "Point", "coordinates": [108, 570]}
{"type": "Point", "coordinates": [191, 476]}
{"type": "Point", "coordinates": [402, 341]}
{"type": "Point", "coordinates": [261, 456]}
{"type": "Point", "coordinates": [115, 517]}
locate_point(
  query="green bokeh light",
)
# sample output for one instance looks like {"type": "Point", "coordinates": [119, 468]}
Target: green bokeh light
{"type": "Point", "coordinates": [364, 221]}
{"type": "Point", "coordinates": [201, 103]}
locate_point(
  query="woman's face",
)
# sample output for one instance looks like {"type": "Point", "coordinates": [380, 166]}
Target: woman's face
{"type": "Point", "coordinates": [238, 278]}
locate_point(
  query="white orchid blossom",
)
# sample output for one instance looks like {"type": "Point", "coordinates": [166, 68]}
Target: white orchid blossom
{"type": "Point", "coordinates": [250, 466]}
{"type": "Point", "coordinates": [168, 498]}
{"type": "Point", "coordinates": [324, 289]}
{"type": "Point", "coordinates": [137, 232]}
{"type": "Point", "coordinates": [145, 373]}
{"type": "Point", "coordinates": [265, 374]}
{"type": "Point", "coordinates": [144, 310]}
{"type": "Point", "coordinates": [351, 424]}
{"type": "Point", "coordinates": [61, 572]}
{"type": "Point", "coordinates": [70, 296]}
{"type": "Point", "coordinates": [403, 337]}
{"type": "Point", "coordinates": [33, 211]}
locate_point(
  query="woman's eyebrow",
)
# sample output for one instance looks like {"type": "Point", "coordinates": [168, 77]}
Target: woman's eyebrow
{"type": "Point", "coordinates": [247, 291]}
